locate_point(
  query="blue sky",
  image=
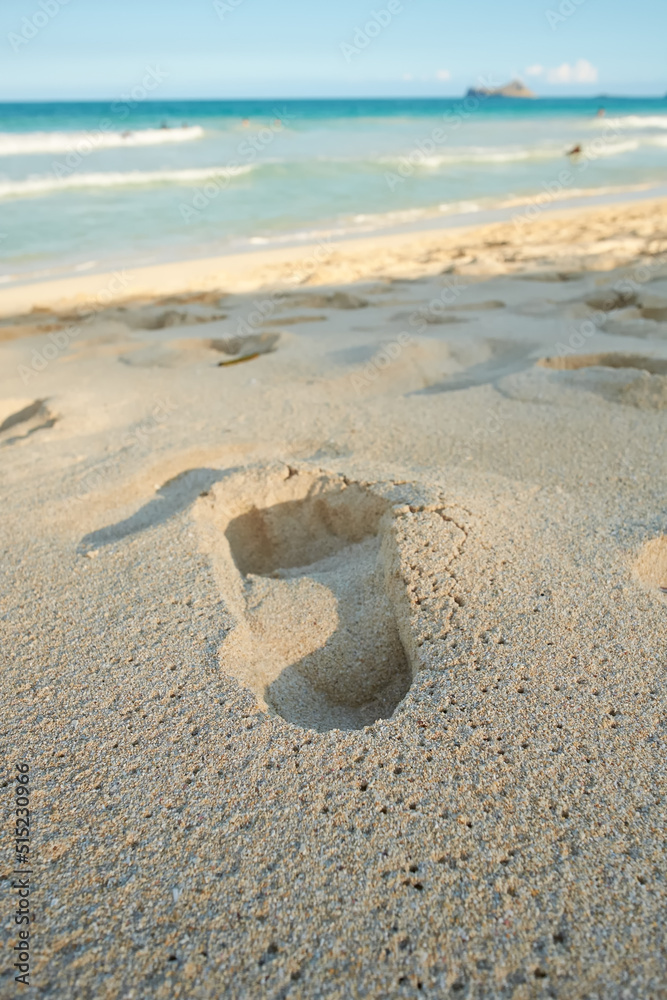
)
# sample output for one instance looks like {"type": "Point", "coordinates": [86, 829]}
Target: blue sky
{"type": "Point", "coordinates": [304, 48]}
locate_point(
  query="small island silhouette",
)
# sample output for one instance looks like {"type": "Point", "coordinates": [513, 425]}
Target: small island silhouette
{"type": "Point", "coordinates": [513, 89]}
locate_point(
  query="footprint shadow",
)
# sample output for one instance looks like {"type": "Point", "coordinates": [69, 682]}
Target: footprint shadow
{"type": "Point", "coordinates": [305, 571]}
{"type": "Point", "coordinates": [24, 418]}
{"type": "Point", "coordinates": [173, 497]}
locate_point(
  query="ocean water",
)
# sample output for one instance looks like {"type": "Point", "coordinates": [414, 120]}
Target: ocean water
{"type": "Point", "coordinates": [92, 186]}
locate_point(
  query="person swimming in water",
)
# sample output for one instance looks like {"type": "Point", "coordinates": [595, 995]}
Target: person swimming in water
{"type": "Point", "coordinates": [575, 152]}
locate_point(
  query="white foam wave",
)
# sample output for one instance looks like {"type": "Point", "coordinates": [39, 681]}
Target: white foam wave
{"type": "Point", "coordinates": [132, 178]}
{"type": "Point", "coordinates": [21, 143]}
{"type": "Point", "coordinates": [632, 121]}
{"type": "Point", "coordinates": [610, 148]}
{"type": "Point", "coordinates": [597, 148]}
{"type": "Point", "coordinates": [372, 222]}
{"type": "Point", "coordinates": [488, 204]}
{"type": "Point", "coordinates": [417, 159]}
{"type": "Point", "coordinates": [383, 220]}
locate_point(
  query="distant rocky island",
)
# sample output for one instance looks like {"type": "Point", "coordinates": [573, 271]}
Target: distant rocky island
{"type": "Point", "coordinates": [514, 89]}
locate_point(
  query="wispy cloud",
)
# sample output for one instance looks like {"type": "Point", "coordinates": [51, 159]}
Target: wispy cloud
{"type": "Point", "coordinates": [580, 72]}
{"type": "Point", "coordinates": [443, 74]}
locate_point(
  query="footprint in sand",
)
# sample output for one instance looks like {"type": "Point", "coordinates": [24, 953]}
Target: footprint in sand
{"type": "Point", "coordinates": [309, 566]}
{"type": "Point", "coordinates": [646, 318]}
{"type": "Point", "coordinates": [243, 347]}
{"type": "Point", "coordinates": [294, 320]}
{"type": "Point", "coordinates": [611, 299]}
{"type": "Point", "coordinates": [18, 328]}
{"type": "Point", "coordinates": [653, 307]}
{"type": "Point", "coordinates": [161, 318]}
{"type": "Point", "coordinates": [629, 379]}
{"type": "Point", "coordinates": [550, 277]}
{"type": "Point", "coordinates": [632, 323]}
{"type": "Point", "coordinates": [485, 306]}
{"type": "Point", "coordinates": [23, 417]}
{"type": "Point", "coordinates": [180, 353]}
{"type": "Point", "coordinates": [327, 300]}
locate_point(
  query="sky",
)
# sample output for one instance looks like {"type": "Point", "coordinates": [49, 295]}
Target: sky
{"type": "Point", "coordinates": [98, 49]}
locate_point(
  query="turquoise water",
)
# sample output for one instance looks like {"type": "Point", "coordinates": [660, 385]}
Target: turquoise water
{"type": "Point", "coordinates": [88, 186]}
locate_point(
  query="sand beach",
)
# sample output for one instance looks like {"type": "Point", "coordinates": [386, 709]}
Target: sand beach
{"type": "Point", "coordinates": [334, 597]}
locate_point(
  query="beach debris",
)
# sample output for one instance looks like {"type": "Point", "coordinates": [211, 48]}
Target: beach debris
{"type": "Point", "coordinates": [238, 361]}
{"type": "Point", "coordinates": [655, 366]}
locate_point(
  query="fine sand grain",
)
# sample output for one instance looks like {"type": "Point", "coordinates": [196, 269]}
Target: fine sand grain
{"type": "Point", "coordinates": [340, 670]}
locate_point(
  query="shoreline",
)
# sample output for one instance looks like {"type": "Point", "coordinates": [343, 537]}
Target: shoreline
{"type": "Point", "coordinates": [456, 216]}
{"type": "Point", "coordinates": [355, 258]}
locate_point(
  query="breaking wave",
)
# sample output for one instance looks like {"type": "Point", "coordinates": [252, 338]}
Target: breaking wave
{"type": "Point", "coordinates": [132, 178]}
{"type": "Point", "coordinates": [21, 143]}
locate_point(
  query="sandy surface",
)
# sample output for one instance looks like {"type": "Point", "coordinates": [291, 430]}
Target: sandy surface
{"type": "Point", "coordinates": [334, 592]}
